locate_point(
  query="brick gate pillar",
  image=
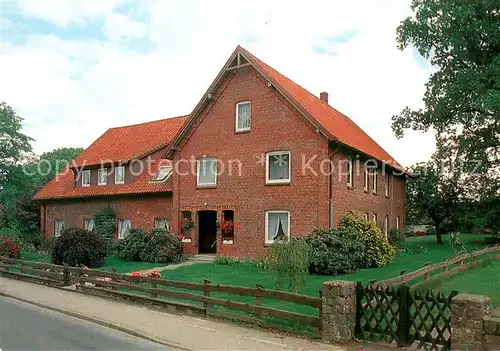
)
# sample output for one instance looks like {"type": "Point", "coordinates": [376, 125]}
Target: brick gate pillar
{"type": "Point", "coordinates": [339, 311]}
{"type": "Point", "coordinates": [467, 312]}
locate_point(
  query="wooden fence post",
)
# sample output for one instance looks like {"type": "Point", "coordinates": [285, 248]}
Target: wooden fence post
{"type": "Point", "coordinates": [154, 286]}
{"type": "Point", "coordinates": [258, 302]}
{"type": "Point", "coordinates": [404, 315]}
{"type": "Point", "coordinates": [66, 275]}
{"type": "Point", "coordinates": [402, 275]}
{"type": "Point", "coordinates": [427, 274]}
{"type": "Point", "coordinates": [206, 292]}
{"type": "Point", "coordinates": [474, 254]}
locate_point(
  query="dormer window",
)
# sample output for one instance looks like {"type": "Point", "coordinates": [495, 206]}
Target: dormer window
{"type": "Point", "coordinates": [243, 116]}
{"type": "Point", "coordinates": [163, 174]}
{"type": "Point", "coordinates": [86, 177]}
{"type": "Point", "coordinates": [102, 176]}
{"type": "Point", "coordinates": [120, 175]}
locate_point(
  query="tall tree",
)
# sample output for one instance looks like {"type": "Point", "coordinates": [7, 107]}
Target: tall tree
{"type": "Point", "coordinates": [434, 193]}
{"type": "Point", "coordinates": [461, 38]}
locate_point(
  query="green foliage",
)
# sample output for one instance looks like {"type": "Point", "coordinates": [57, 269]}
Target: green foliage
{"type": "Point", "coordinates": [457, 244]}
{"type": "Point", "coordinates": [378, 252]}
{"type": "Point", "coordinates": [77, 247]}
{"type": "Point", "coordinates": [289, 259]}
{"type": "Point", "coordinates": [396, 237]}
{"type": "Point", "coordinates": [130, 248]}
{"type": "Point", "coordinates": [10, 246]}
{"type": "Point", "coordinates": [161, 247]}
{"type": "Point", "coordinates": [335, 252]}
{"type": "Point", "coordinates": [226, 261]}
{"type": "Point", "coordinates": [105, 224]}
{"type": "Point", "coordinates": [462, 102]}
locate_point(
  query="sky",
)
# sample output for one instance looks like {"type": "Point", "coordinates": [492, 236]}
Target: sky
{"type": "Point", "coordinates": [74, 68]}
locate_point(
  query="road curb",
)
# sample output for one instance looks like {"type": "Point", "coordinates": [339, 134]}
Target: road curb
{"type": "Point", "coordinates": [98, 321]}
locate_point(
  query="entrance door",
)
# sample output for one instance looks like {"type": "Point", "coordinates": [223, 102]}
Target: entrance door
{"type": "Point", "coordinates": [207, 232]}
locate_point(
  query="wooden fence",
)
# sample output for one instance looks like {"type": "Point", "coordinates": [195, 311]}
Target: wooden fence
{"type": "Point", "coordinates": [448, 267]}
{"type": "Point", "coordinates": [199, 296]}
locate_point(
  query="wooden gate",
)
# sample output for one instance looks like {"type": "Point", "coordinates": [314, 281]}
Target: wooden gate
{"type": "Point", "coordinates": [396, 314]}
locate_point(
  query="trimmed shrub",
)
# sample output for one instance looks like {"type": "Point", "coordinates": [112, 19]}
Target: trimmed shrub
{"type": "Point", "coordinates": [130, 248]}
{"type": "Point", "coordinates": [105, 225]}
{"type": "Point", "coordinates": [396, 237]}
{"type": "Point", "coordinates": [161, 247]}
{"type": "Point", "coordinates": [378, 252]}
{"type": "Point", "coordinates": [77, 247]}
{"type": "Point", "coordinates": [10, 246]}
{"type": "Point", "coordinates": [289, 259]}
{"type": "Point", "coordinates": [335, 252]}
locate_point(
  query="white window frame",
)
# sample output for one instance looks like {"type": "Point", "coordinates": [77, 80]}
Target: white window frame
{"type": "Point", "coordinates": [198, 162]}
{"type": "Point", "coordinates": [89, 172]}
{"type": "Point", "coordinates": [86, 223]}
{"type": "Point", "coordinates": [267, 224]}
{"type": "Point", "coordinates": [398, 222]}
{"type": "Point", "coordinates": [366, 216]}
{"type": "Point", "coordinates": [350, 173]}
{"type": "Point", "coordinates": [162, 219]}
{"type": "Point", "coordinates": [374, 185]}
{"type": "Point", "coordinates": [99, 172]}
{"type": "Point", "coordinates": [119, 226]}
{"type": "Point", "coordinates": [237, 116]}
{"type": "Point", "coordinates": [58, 233]}
{"type": "Point", "coordinates": [386, 226]}
{"type": "Point", "coordinates": [116, 173]}
{"type": "Point", "coordinates": [366, 185]}
{"type": "Point", "coordinates": [374, 218]}
{"type": "Point", "coordinates": [279, 181]}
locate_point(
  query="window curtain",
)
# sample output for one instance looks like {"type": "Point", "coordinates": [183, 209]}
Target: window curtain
{"type": "Point", "coordinates": [125, 226]}
{"type": "Point", "coordinates": [59, 228]}
{"type": "Point", "coordinates": [278, 167]}
{"type": "Point", "coordinates": [89, 225]}
{"type": "Point", "coordinates": [103, 176]}
{"type": "Point", "coordinates": [243, 116]}
{"type": "Point", "coordinates": [275, 222]}
{"type": "Point", "coordinates": [206, 171]}
{"type": "Point", "coordinates": [161, 223]}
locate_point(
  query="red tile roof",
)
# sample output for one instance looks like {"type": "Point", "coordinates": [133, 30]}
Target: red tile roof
{"type": "Point", "coordinates": [119, 144]}
{"type": "Point", "coordinates": [336, 125]}
{"type": "Point", "coordinates": [130, 142]}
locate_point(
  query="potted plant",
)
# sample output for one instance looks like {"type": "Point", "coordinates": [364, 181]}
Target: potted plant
{"type": "Point", "coordinates": [186, 225]}
{"type": "Point", "coordinates": [227, 231]}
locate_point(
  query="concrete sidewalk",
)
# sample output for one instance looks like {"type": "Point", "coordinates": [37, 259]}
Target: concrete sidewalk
{"type": "Point", "coordinates": [170, 329]}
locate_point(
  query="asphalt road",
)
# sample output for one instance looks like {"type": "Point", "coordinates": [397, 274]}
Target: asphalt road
{"type": "Point", "coordinates": [28, 327]}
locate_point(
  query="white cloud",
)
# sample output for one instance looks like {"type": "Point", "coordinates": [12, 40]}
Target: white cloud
{"type": "Point", "coordinates": [76, 89]}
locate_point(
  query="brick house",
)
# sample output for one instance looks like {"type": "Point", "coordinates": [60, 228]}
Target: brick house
{"type": "Point", "coordinates": [258, 151]}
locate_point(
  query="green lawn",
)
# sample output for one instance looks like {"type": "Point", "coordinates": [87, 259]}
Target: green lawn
{"type": "Point", "coordinates": [110, 263]}
{"type": "Point", "coordinates": [480, 280]}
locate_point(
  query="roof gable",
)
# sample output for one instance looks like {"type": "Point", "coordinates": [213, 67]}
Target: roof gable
{"type": "Point", "coordinates": [333, 124]}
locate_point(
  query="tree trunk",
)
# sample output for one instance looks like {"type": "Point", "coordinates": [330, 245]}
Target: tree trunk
{"type": "Point", "coordinates": [439, 239]}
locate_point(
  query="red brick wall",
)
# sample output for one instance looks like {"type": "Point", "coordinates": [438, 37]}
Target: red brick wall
{"type": "Point", "coordinates": [356, 199]}
{"type": "Point", "coordinates": [140, 210]}
{"type": "Point", "coordinates": [275, 125]}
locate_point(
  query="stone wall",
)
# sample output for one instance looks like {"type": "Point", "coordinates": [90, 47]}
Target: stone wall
{"type": "Point", "coordinates": [491, 337]}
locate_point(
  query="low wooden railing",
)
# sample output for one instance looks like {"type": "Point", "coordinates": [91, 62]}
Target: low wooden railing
{"type": "Point", "coordinates": [42, 272]}
{"type": "Point", "coordinates": [448, 267]}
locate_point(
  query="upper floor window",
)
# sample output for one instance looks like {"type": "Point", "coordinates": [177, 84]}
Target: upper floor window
{"type": "Point", "coordinates": [207, 172]}
{"type": "Point", "coordinates": [277, 225]}
{"type": "Point", "coordinates": [102, 176]}
{"type": "Point", "coordinates": [350, 172]}
{"type": "Point", "coordinates": [243, 116]}
{"type": "Point", "coordinates": [387, 184]}
{"type": "Point", "coordinates": [278, 167]}
{"type": "Point", "coordinates": [88, 224]}
{"type": "Point", "coordinates": [163, 174]}
{"type": "Point", "coordinates": [86, 177]}
{"type": "Point", "coordinates": [124, 226]}
{"type": "Point", "coordinates": [120, 175]}
{"type": "Point", "coordinates": [374, 185]}
{"type": "Point", "coordinates": [59, 227]}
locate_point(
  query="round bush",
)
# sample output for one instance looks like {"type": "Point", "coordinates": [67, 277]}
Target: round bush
{"type": "Point", "coordinates": [10, 246]}
{"type": "Point", "coordinates": [378, 252]}
{"type": "Point", "coordinates": [130, 248]}
{"type": "Point", "coordinates": [161, 247]}
{"type": "Point", "coordinates": [335, 252]}
{"type": "Point", "coordinates": [79, 247]}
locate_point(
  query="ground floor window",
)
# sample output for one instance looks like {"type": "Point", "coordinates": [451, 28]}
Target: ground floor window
{"type": "Point", "coordinates": [374, 217]}
{"type": "Point", "coordinates": [161, 223]}
{"type": "Point", "coordinates": [277, 225]}
{"type": "Point", "coordinates": [88, 225]}
{"type": "Point", "coordinates": [386, 226]}
{"type": "Point", "coordinates": [397, 223]}
{"type": "Point", "coordinates": [365, 216]}
{"type": "Point", "coordinates": [59, 227]}
{"type": "Point", "coordinates": [124, 226]}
